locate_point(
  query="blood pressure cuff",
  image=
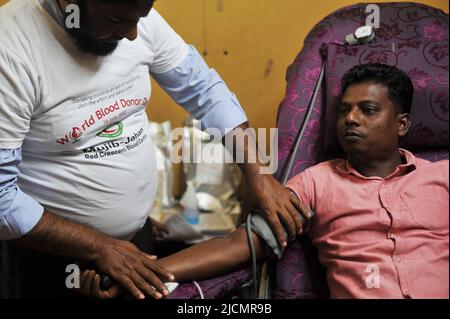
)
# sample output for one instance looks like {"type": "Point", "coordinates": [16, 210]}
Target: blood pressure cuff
{"type": "Point", "coordinates": [260, 227]}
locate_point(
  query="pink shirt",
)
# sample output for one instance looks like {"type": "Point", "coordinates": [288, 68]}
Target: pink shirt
{"type": "Point", "coordinates": [380, 238]}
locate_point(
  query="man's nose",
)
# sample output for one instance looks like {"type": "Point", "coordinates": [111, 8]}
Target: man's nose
{"type": "Point", "coordinates": [131, 33]}
{"type": "Point", "coordinates": [353, 117]}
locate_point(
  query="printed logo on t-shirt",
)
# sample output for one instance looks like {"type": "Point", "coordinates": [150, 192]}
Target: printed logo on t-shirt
{"type": "Point", "coordinates": [75, 135]}
{"type": "Point", "coordinates": [107, 107]}
{"type": "Point", "coordinates": [105, 114]}
{"type": "Point", "coordinates": [116, 147]}
{"type": "Point", "coordinates": [114, 131]}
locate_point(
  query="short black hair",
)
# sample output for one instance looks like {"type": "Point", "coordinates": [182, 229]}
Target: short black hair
{"type": "Point", "coordinates": [400, 86]}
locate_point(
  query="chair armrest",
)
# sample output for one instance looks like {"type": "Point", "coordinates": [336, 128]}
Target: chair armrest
{"type": "Point", "coordinates": [215, 288]}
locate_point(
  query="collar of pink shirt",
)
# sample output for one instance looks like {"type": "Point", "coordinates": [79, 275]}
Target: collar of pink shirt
{"type": "Point", "coordinates": [411, 164]}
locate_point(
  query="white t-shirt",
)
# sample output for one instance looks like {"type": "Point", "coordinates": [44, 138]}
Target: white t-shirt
{"type": "Point", "coordinates": [80, 119]}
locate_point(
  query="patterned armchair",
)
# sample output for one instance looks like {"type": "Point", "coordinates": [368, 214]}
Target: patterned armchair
{"type": "Point", "coordinates": [411, 36]}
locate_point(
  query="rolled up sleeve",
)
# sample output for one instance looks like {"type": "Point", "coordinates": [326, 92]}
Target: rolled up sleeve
{"type": "Point", "coordinates": [201, 91]}
{"type": "Point", "coordinates": [19, 213]}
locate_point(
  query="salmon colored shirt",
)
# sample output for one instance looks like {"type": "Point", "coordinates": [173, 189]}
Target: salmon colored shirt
{"type": "Point", "coordinates": [380, 237]}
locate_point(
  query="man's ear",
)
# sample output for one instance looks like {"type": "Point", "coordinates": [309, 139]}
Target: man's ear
{"type": "Point", "coordinates": [404, 123]}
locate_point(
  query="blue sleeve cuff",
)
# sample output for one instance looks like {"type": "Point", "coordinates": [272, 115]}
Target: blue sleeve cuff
{"type": "Point", "coordinates": [22, 215]}
{"type": "Point", "coordinates": [224, 116]}
{"type": "Point", "coordinates": [19, 213]}
{"type": "Point", "coordinates": [202, 92]}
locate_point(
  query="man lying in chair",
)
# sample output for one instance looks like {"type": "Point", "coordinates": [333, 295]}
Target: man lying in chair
{"type": "Point", "coordinates": [381, 215]}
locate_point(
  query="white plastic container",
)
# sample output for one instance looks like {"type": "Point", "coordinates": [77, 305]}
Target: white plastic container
{"type": "Point", "coordinates": [189, 203]}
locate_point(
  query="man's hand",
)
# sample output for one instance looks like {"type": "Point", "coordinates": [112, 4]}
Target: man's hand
{"type": "Point", "coordinates": [279, 206]}
{"type": "Point", "coordinates": [90, 287]}
{"type": "Point", "coordinates": [134, 270]}
{"type": "Point", "coordinates": [265, 194]}
{"type": "Point", "coordinates": [122, 261]}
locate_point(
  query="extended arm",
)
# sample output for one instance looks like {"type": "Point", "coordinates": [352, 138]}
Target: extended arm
{"type": "Point", "coordinates": [214, 257]}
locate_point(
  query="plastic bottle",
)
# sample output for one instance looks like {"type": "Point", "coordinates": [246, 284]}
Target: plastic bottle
{"type": "Point", "coordinates": [189, 202]}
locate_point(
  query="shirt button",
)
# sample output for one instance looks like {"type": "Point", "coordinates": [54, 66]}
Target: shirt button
{"type": "Point", "coordinates": [398, 260]}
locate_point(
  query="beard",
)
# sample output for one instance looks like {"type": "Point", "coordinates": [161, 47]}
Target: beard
{"type": "Point", "coordinates": [83, 38]}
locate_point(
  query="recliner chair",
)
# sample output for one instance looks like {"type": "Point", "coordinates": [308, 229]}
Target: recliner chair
{"type": "Point", "coordinates": [411, 36]}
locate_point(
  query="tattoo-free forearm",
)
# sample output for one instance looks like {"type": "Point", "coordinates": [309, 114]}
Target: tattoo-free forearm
{"type": "Point", "coordinates": [58, 236]}
{"type": "Point", "coordinates": [245, 150]}
{"type": "Point", "coordinates": [132, 269]}
{"type": "Point", "coordinates": [214, 257]}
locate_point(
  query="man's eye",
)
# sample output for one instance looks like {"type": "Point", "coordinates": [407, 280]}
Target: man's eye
{"type": "Point", "coordinates": [343, 110]}
{"type": "Point", "coordinates": [369, 110]}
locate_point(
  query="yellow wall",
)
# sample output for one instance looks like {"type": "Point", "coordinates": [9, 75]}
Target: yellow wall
{"type": "Point", "coordinates": [262, 38]}
{"type": "Point", "coordinates": [250, 43]}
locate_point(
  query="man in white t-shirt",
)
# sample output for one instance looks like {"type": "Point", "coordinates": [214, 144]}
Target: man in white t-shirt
{"type": "Point", "coordinates": [72, 114]}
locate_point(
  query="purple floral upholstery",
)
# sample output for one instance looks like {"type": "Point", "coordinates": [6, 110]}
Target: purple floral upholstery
{"type": "Point", "coordinates": [213, 288]}
{"type": "Point", "coordinates": [413, 37]}
{"type": "Point", "coordinates": [298, 277]}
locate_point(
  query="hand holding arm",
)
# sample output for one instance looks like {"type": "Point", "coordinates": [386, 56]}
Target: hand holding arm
{"type": "Point", "coordinates": [125, 263]}
{"type": "Point", "coordinates": [264, 194]}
